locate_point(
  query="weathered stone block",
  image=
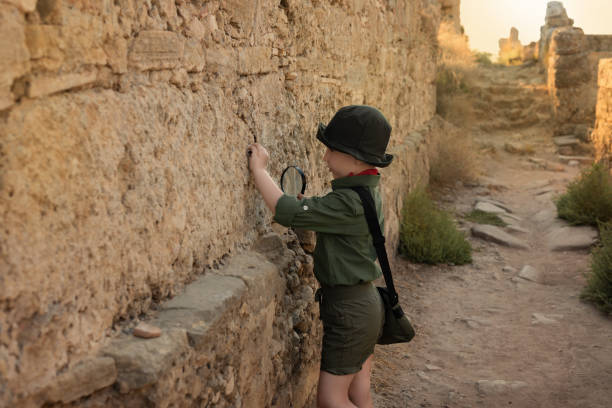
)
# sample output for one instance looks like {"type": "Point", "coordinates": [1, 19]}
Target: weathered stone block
{"type": "Point", "coordinates": [604, 79]}
{"type": "Point", "coordinates": [14, 55]}
{"type": "Point", "coordinates": [604, 104]}
{"type": "Point", "coordinates": [255, 60]}
{"type": "Point", "coordinates": [117, 54]}
{"type": "Point", "coordinates": [156, 49]}
{"type": "Point", "coordinates": [569, 71]}
{"type": "Point", "coordinates": [241, 12]}
{"type": "Point", "coordinates": [220, 60]}
{"type": "Point", "coordinates": [24, 5]}
{"type": "Point", "coordinates": [45, 85]}
{"type": "Point", "coordinates": [568, 40]}
{"type": "Point", "coordinates": [572, 238]}
{"type": "Point", "coordinates": [194, 59]}
{"type": "Point", "coordinates": [6, 98]}
{"type": "Point", "coordinates": [83, 379]}
{"type": "Point", "coordinates": [50, 11]}
{"type": "Point", "coordinates": [44, 41]}
{"type": "Point", "coordinates": [141, 362]}
{"type": "Point", "coordinates": [201, 305]}
{"type": "Point", "coordinates": [195, 29]}
{"type": "Point", "coordinates": [167, 7]}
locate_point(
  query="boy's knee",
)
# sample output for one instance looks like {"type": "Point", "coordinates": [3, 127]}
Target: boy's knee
{"type": "Point", "coordinates": [361, 397]}
{"type": "Point", "coordinates": [324, 401]}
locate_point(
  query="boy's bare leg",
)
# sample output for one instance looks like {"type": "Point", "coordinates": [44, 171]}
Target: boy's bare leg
{"type": "Point", "coordinates": [359, 390]}
{"type": "Point", "coordinates": [333, 390]}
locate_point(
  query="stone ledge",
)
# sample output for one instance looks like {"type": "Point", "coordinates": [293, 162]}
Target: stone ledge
{"type": "Point", "coordinates": [83, 379]}
{"type": "Point", "coordinates": [185, 320]}
{"type": "Point", "coordinates": [200, 306]}
{"type": "Point", "coordinates": [141, 362]}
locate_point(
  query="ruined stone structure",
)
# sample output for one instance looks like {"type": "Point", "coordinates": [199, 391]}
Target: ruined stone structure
{"type": "Point", "coordinates": [602, 134]}
{"type": "Point", "coordinates": [572, 62]}
{"type": "Point", "coordinates": [531, 51]}
{"type": "Point", "coordinates": [556, 17]}
{"type": "Point", "coordinates": [454, 47]}
{"type": "Point", "coordinates": [511, 49]}
{"type": "Point", "coordinates": [451, 15]}
{"type": "Point", "coordinates": [124, 191]}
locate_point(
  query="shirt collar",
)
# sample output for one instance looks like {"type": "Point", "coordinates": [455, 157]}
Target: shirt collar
{"type": "Point", "coordinates": [366, 180]}
{"type": "Point", "coordinates": [368, 172]}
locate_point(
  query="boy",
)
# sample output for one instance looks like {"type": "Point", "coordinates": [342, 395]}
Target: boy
{"type": "Point", "coordinates": [344, 258]}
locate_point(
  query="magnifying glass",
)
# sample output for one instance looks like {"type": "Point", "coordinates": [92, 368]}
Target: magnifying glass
{"type": "Point", "coordinates": [293, 181]}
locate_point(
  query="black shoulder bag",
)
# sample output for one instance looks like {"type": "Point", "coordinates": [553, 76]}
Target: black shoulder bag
{"type": "Point", "coordinates": [397, 328]}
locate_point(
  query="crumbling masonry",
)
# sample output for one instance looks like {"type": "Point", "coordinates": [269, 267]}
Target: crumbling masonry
{"type": "Point", "coordinates": [124, 192]}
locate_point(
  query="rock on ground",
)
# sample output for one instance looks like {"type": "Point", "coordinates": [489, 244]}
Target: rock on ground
{"type": "Point", "coordinates": [497, 235]}
{"type": "Point", "coordinates": [572, 238]}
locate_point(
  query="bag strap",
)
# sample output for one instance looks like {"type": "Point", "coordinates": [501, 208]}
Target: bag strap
{"type": "Point", "coordinates": [377, 237]}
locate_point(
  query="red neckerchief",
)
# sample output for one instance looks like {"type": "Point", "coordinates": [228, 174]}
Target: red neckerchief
{"type": "Point", "coordinates": [368, 172]}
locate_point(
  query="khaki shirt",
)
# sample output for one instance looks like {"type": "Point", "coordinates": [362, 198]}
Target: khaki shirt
{"type": "Point", "coordinates": [344, 254]}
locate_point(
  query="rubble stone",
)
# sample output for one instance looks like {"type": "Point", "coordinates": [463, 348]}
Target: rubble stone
{"type": "Point", "coordinates": [147, 331]}
{"type": "Point", "coordinates": [529, 273]}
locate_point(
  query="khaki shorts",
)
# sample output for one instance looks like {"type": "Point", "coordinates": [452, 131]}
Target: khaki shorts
{"type": "Point", "coordinates": [352, 317]}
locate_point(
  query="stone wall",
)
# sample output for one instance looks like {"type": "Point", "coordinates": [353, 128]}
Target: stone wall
{"type": "Point", "coordinates": [123, 182]}
{"type": "Point", "coordinates": [602, 134]}
{"type": "Point", "coordinates": [572, 65]}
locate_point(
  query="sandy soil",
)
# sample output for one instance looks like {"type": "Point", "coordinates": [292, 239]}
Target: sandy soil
{"type": "Point", "coordinates": [476, 324]}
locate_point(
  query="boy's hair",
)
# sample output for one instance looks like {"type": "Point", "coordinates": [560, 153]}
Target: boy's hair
{"type": "Point", "coordinates": [361, 131]}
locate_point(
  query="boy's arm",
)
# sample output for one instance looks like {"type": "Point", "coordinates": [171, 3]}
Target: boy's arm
{"type": "Point", "coordinates": [268, 188]}
{"type": "Point", "coordinates": [258, 160]}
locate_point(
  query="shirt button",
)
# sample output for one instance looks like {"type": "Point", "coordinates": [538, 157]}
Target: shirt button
{"type": "Point", "coordinates": [305, 208]}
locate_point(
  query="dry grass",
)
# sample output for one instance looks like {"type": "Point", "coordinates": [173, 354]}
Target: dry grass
{"type": "Point", "coordinates": [455, 78]}
{"type": "Point", "coordinates": [453, 158]}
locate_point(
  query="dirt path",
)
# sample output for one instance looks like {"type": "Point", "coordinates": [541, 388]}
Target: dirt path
{"type": "Point", "coordinates": [486, 337]}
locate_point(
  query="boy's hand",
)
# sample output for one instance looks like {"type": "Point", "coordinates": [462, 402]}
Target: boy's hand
{"type": "Point", "coordinates": [258, 157]}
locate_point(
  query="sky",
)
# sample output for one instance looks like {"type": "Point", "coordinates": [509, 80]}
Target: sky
{"type": "Point", "coordinates": [486, 21]}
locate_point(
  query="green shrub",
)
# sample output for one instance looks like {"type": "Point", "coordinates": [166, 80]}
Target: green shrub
{"type": "Point", "coordinates": [599, 285]}
{"type": "Point", "coordinates": [483, 58]}
{"type": "Point", "coordinates": [429, 235]}
{"type": "Point", "coordinates": [483, 217]}
{"type": "Point", "coordinates": [588, 200]}
{"type": "Point", "coordinates": [451, 80]}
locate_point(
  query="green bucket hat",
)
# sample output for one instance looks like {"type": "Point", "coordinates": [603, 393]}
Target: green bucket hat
{"type": "Point", "coordinates": [361, 131]}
